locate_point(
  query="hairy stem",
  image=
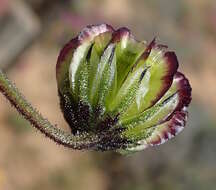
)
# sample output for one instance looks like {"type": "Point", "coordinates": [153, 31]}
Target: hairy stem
{"type": "Point", "coordinates": [17, 100]}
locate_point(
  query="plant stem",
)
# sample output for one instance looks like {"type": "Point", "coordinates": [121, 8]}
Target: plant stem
{"type": "Point", "coordinates": [17, 100]}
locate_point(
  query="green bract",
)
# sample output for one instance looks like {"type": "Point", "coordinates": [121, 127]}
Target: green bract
{"type": "Point", "coordinates": [127, 93]}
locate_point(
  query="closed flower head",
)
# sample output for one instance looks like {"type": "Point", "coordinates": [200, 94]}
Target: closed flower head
{"type": "Point", "coordinates": [125, 92]}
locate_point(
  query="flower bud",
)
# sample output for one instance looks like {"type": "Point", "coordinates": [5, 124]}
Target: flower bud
{"type": "Point", "coordinates": [126, 92]}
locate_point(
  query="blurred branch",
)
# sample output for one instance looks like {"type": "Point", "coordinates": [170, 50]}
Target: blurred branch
{"type": "Point", "coordinates": [9, 90]}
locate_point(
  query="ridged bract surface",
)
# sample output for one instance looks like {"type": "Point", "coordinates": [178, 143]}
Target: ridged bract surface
{"type": "Point", "coordinates": [126, 92]}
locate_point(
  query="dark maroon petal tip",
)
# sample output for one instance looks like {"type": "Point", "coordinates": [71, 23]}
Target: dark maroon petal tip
{"type": "Point", "coordinates": [120, 33]}
{"type": "Point", "coordinates": [172, 62]}
{"type": "Point", "coordinates": [172, 66]}
{"type": "Point", "coordinates": [184, 91]}
{"type": "Point", "coordinates": [89, 32]}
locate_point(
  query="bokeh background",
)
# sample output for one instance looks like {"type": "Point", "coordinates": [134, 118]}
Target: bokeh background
{"type": "Point", "coordinates": [31, 35]}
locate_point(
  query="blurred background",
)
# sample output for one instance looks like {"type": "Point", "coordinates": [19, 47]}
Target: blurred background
{"type": "Point", "coordinates": [31, 34]}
